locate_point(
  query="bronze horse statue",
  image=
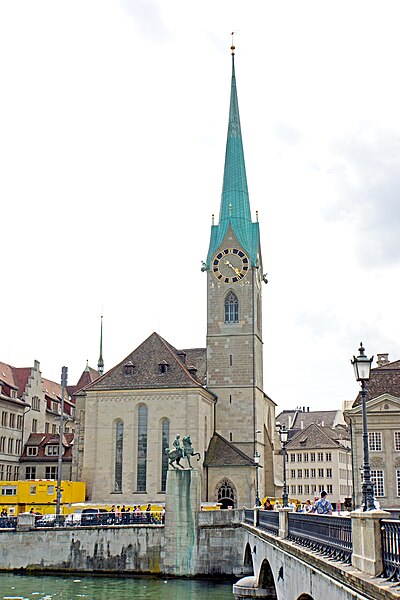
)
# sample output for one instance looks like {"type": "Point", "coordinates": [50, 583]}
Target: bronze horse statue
{"type": "Point", "coordinates": [175, 456]}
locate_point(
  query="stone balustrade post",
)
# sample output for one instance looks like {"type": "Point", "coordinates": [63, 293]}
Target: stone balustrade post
{"type": "Point", "coordinates": [284, 522]}
{"type": "Point", "coordinates": [367, 540]}
{"type": "Point", "coordinates": [25, 522]}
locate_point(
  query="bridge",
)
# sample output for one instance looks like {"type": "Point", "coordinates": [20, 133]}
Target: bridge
{"type": "Point", "coordinates": [294, 556]}
{"type": "Point", "coordinates": [275, 555]}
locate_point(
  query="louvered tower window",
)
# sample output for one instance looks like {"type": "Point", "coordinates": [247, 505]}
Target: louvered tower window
{"type": "Point", "coordinates": [231, 308]}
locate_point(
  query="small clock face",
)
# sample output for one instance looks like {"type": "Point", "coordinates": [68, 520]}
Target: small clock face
{"type": "Point", "coordinates": [230, 265]}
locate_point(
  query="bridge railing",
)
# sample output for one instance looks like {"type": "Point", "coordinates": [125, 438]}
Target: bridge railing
{"type": "Point", "coordinates": [328, 535]}
{"type": "Point", "coordinates": [249, 516]}
{"type": "Point", "coordinates": [269, 521]}
{"type": "Point", "coordinates": [391, 549]}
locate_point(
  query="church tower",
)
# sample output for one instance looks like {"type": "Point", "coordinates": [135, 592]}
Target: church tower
{"type": "Point", "coordinates": [244, 414]}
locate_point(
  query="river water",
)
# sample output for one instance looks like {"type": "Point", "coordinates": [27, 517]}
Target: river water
{"type": "Point", "coordinates": [38, 587]}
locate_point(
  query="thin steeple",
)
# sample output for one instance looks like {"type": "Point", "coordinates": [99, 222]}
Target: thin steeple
{"type": "Point", "coordinates": [100, 363]}
{"type": "Point", "coordinates": [235, 204]}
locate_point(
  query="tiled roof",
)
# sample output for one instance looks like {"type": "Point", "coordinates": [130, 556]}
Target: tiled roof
{"type": "Point", "coordinates": [144, 370]}
{"type": "Point", "coordinates": [316, 437]}
{"type": "Point", "coordinates": [41, 440]}
{"type": "Point", "coordinates": [198, 358]}
{"type": "Point", "coordinates": [385, 379]}
{"type": "Point", "coordinates": [21, 377]}
{"type": "Point", "coordinates": [6, 375]}
{"type": "Point", "coordinates": [88, 376]}
{"type": "Point", "coordinates": [223, 453]}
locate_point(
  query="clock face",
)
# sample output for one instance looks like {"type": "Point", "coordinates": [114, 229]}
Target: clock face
{"type": "Point", "coordinates": [230, 265]}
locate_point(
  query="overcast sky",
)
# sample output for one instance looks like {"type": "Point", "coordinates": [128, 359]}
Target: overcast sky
{"type": "Point", "coordinates": [113, 120]}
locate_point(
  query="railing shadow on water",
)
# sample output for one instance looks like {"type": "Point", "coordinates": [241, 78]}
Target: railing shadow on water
{"type": "Point", "coordinates": [328, 535]}
{"type": "Point", "coordinates": [391, 549]}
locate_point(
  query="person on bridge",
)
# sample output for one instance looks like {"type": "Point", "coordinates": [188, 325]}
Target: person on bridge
{"type": "Point", "coordinates": [322, 506]}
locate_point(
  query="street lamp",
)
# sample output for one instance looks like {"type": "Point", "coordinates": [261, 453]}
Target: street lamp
{"type": "Point", "coordinates": [64, 377]}
{"type": "Point", "coordinates": [257, 462]}
{"type": "Point", "coordinates": [362, 370]}
{"type": "Point", "coordinates": [284, 436]}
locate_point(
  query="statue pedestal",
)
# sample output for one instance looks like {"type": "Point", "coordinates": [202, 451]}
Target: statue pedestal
{"type": "Point", "coordinates": [182, 503]}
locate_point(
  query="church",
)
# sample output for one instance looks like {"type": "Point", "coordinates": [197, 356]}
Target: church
{"type": "Point", "coordinates": [130, 415]}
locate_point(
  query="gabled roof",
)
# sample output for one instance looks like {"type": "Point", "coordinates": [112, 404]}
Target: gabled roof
{"type": "Point", "coordinates": [144, 369]}
{"type": "Point", "coordinates": [316, 437]}
{"type": "Point", "coordinates": [41, 440]}
{"type": "Point", "coordinates": [384, 379]}
{"type": "Point", "coordinates": [21, 377]}
{"type": "Point", "coordinates": [88, 376]}
{"type": "Point", "coordinates": [223, 453]}
{"type": "Point", "coordinates": [6, 375]}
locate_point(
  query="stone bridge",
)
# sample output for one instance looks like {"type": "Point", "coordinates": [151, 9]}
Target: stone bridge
{"type": "Point", "coordinates": [280, 569]}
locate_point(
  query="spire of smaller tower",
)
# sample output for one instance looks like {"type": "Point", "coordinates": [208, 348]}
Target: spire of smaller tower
{"type": "Point", "coordinates": [100, 363]}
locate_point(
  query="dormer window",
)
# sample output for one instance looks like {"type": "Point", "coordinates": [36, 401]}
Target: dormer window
{"type": "Point", "coordinates": [51, 450]}
{"type": "Point", "coordinates": [129, 368]}
{"type": "Point", "coordinates": [163, 366]}
{"type": "Point", "coordinates": [31, 450]}
{"type": "Point", "coordinates": [192, 370]}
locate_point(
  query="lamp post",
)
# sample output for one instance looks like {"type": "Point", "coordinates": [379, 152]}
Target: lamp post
{"type": "Point", "coordinates": [64, 376]}
{"type": "Point", "coordinates": [362, 370]}
{"type": "Point", "coordinates": [283, 436]}
{"type": "Point", "coordinates": [257, 462]}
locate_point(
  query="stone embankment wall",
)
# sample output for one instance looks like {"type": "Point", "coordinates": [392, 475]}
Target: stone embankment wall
{"type": "Point", "coordinates": [109, 549]}
{"type": "Point", "coordinates": [142, 549]}
{"type": "Point", "coordinates": [220, 543]}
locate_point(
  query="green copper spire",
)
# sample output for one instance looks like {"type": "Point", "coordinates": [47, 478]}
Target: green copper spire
{"type": "Point", "coordinates": [100, 363]}
{"type": "Point", "coordinates": [235, 205]}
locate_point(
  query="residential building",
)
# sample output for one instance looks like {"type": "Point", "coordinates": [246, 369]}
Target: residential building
{"type": "Point", "coordinates": [383, 419]}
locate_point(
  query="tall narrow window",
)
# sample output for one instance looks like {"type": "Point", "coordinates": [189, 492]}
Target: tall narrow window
{"type": "Point", "coordinates": [164, 457]}
{"type": "Point", "coordinates": [142, 449]}
{"type": "Point", "coordinates": [231, 308]}
{"type": "Point", "coordinates": [119, 444]}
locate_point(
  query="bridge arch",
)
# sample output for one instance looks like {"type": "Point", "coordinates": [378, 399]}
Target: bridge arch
{"type": "Point", "coordinates": [248, 561]}
{"type": "Point", "coordinates": [305, 597]}
{"type": "Point", "coordinates": [266, 580]}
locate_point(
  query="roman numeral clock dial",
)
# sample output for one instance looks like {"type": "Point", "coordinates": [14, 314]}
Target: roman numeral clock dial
{"type": "Point", "coordinates": [230, 265]}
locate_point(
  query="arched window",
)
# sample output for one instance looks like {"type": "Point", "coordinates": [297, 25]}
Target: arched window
{"type": "Point", "coordinates": [164, 457]}
{"type": "Point", "coordinates": [226, 494]}
{"type": "Point", "coordinates": [119, 444]}
{"type": "Point", "coordinates": [231, 308]}
{"type": "Point", "coordinates": [141, 474]}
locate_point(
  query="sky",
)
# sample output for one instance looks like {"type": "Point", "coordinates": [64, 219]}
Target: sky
{"type": "Point", "coordinates": [113, 121]}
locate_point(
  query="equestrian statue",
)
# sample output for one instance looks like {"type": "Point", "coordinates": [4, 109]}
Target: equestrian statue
{"type": "Point", "coordinates": [179, 451]}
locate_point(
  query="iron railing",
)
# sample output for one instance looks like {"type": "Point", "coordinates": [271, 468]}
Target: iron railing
{"type": "Point", "coordinates": [269, 521]}
{"type": "Point", "coordinates": [328, 535]}
{"type": "Point", "coordinates": [391, 549]}
{"type": "Point", "coordinates": [8, 522]}
{"type": "Point", "coordinates": [249, 516]}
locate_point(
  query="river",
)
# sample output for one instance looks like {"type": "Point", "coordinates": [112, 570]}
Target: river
{"type": "Point", "coordinates": [52, 587]}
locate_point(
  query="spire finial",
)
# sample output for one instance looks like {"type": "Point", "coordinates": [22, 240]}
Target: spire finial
{"type": "Point", "coordinates": [100, 363]}
{"type": "Point", "coordinates": [232, 47]}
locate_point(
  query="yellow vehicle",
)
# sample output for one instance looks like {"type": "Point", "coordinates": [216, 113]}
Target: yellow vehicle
{"type": "Point", "coordinates": [39, 495]}
{"type": "Point", "coordinates": [211, 506]}
{"type": "Point", "coordinates": [280, 501]}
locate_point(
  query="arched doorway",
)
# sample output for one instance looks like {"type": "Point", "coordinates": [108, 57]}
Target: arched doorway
{"type": "Point", "coordinates": [266, 581]}
{"type": "Point", "coordinates": [226, 494]}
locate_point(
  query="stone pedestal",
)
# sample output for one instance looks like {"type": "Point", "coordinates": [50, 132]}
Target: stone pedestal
{"type": "Point", "coordinates": [25, 522]}
{"type": "Point", "coordinates": [367, 540]}
{"type": "Point", "coordinates": [182, 504]}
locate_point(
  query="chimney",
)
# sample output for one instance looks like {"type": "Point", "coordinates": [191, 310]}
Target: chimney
{"type": "Point", "coordinates": [382, 360]}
